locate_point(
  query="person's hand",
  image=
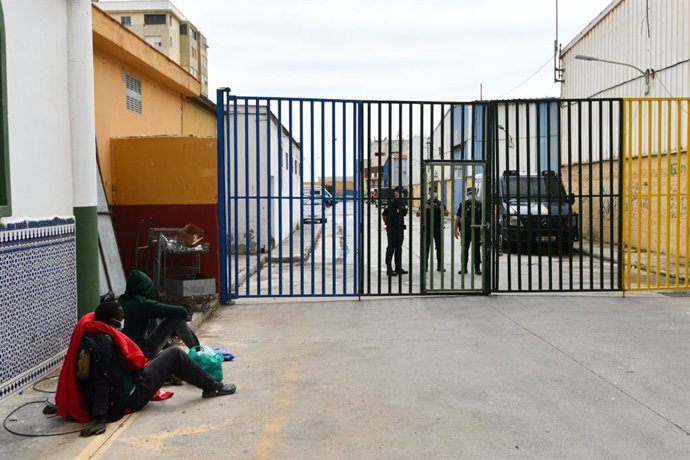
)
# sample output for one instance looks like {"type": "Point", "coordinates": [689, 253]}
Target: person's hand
{"type": "Point", "coordinates": [446, 212]}
{"type": "Point", "coordinates": [418, 212]}
{"type": "Point", "coordinates": [96, 428]}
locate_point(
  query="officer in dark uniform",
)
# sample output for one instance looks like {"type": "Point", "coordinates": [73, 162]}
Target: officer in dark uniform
{"type": "Point", "coordinates": [471, 211]}
{"type": "Point", "coordinates": [434, 223]}
{"type": "Point", "coordinates": [394, 218]}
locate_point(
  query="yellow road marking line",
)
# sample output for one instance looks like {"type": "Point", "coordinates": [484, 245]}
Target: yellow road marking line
{"type": "Point", "coordinates": [267, 445]}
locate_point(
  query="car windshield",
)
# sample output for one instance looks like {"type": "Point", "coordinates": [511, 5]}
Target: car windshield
{"type": "Point", "coordinates": [546, 187]}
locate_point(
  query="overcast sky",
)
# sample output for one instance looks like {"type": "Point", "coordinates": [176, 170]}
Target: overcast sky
{"type": "Point", "coordinates": [386, 49]}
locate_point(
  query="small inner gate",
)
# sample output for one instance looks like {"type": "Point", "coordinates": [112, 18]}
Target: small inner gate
{"type": "Point", "coordinates": [324, 197]}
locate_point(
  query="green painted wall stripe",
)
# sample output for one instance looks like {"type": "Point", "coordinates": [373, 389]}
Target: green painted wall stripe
{"type": "Point", "coordinates": [87, 258]}
{"type": "Point", "coordinates": [5, 189]}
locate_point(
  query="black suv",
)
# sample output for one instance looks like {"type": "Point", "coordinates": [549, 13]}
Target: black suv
{"type": "Point", "coordinates": [536, 214]}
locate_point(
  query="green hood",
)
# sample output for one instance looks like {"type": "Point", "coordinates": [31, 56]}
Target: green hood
{"type": "Point", "coordinates": [138, 284]}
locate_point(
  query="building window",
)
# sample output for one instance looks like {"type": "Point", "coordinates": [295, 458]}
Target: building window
{"type": "Point", "coordinates": [193, 34]}
{"type": "Point", "coordinates": [126, 20]}
{"type": "Point", "coordinates": [153, 19]}
{"type": "Point", "coordinates": [193, 53]}
{"type": "Point", "coordinates": [183, 29]}
{"type": "Point", "coordinates": [133, 93]}
{"type": "Point", "coordinates": [204, 63]}
{"type": "Point", "coordinates": [171, 43]}
{"type": "Point", "coordinates": [156, 40]}
{"type": "Point", "coordinates": [5, 201]}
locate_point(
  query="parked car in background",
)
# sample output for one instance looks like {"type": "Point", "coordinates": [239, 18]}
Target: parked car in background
{"type": "Point", "coordinates": [315, 201]}
{"type": "Point", "coordinates": [536, 213]}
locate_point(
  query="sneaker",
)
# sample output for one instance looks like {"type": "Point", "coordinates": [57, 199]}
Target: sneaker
{"type": "Point", "coordinates": [391, 273]}
{"type": "Point", "coordinates": [478, 271]}
{"type": "Point", "coordinates": [402, 271]}
{"type": "Point", "coordinates": [224, 390]}
{"type": "Point", "coordinates": [440, 269]}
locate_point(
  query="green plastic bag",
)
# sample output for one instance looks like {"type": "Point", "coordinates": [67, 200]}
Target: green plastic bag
{"type": "Point", "coordinates": [209, 360]}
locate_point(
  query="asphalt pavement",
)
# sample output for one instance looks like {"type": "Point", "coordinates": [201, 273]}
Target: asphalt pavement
{"type": "Point", "coordinates": [485, 377]}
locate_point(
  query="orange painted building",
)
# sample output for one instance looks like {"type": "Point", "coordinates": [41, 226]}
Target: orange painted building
{"type": "Point", "coordinates": [156, 142]}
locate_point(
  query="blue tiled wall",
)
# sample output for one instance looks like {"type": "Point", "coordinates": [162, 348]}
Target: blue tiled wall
{"type": "Point", "coordinates": [38, 298]}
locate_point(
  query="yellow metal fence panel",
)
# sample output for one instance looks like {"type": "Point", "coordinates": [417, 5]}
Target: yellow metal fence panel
{"type": "Point", "coordinates": [656, 193]}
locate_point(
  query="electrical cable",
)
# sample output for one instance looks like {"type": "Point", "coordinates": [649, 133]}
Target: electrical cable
{"type": "Point", "coordinates": [33, 387]}
{"type": "Point", "coordinates": [528, 78]}
{"type": "Point", "coordinates": [656, 74]}
{"type": "Point", "coordinates": [33, 435]}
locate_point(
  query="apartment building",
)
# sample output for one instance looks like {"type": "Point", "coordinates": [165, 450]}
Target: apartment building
{"type": "Point", "coordinates": [164, 27]}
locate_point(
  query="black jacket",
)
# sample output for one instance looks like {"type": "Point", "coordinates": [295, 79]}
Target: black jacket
{"type": "Point", "coordinates": [394, 215]}
{"type": "Point", "coordinates": [102, 390]}
{"type": "Point", "coordinates": [472, 214]}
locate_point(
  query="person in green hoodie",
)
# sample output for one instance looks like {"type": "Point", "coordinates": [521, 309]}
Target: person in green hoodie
{"type": "Point", "coordinates": [140, 308]}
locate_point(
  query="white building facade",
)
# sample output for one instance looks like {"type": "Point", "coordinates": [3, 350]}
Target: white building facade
{"type": "Point", "coordinates": [265, 186]}
{"type": "Point", "coordinates": [48, 176]}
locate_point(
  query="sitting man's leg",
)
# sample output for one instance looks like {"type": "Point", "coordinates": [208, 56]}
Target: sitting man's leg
{"type": "Point", "coordinates": [174, 361]}
{"type": "Point", "coordinates": [156, 340]}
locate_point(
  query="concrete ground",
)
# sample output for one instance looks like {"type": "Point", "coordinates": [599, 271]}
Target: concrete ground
{"type": "Point", "coordinates": [544, 377]}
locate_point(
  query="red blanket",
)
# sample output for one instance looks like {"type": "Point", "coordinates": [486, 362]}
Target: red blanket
{"type": "Point", "coordinates": [69, 399]}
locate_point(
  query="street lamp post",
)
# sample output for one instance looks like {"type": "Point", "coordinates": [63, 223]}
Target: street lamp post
{"type": "Point", "coordinates": [647, 74]}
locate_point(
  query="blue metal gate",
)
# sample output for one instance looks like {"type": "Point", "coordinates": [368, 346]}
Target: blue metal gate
{"type": "Point", "coordinates": [304, 185]}
{"type": "Point", "coordinates": [289, 196]}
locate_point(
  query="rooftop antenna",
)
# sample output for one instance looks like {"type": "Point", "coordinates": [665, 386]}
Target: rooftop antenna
{"type": "Point", "coordinates": [557, 71]}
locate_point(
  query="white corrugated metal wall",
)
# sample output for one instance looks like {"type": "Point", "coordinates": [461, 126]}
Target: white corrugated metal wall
{"type": "Point", "coordinates": [649, 34]}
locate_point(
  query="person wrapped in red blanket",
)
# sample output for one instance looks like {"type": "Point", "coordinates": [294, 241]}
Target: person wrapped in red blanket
{"type": "Point", "coordinates": [106, 375]}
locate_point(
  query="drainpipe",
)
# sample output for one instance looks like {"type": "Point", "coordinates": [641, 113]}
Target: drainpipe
{"type": "Point", "coordinates": [83, 146]}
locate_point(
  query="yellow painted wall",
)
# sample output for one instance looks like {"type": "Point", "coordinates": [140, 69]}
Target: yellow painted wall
{"type": "Point", "coordinates": [655, 209]}
{"type": "Point", "coordinates": [197, 120]}
{"type": "Point", "coordinates": [161, 107]}
{"type": "Point", "coordinates": [165, 89]}
{"type": "Point", "coordinates": [164, 170]}
{"type": "Point", "coordinates": [656, 203]}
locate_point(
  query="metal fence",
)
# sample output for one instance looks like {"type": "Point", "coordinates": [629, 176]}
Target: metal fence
{"type": "Point", "coordinates": [656, 251]}
{"type": "Point", "coordinates": [491, 196]}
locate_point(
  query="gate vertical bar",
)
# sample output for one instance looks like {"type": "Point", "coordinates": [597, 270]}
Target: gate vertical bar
{"type": "Point", "coordinates": [600, 112]}
{"type": "Point", "coordinates": [538, 170]}
{"type": "Point", "coordinates": [343, 190]}
{"type": "Point", "coordinates": [291, 194]}
{"type": "Point", "coordinates": [301, 196]}
{"type": "Point", "coordinates": [257, 153]}
{"type": "Point", "coordinates": [622, 141]}
{"type": "Point", "coordinates": [323, 202]}
{"type": "Point", "coordinates": [269, 194]}
{"type": "Point", "coordinates": [311, 165]}
{"type": "Point", "coordinates": [590, 155]}
{"type": "Point", "coordinates": [246, 188]}
{"type": "Point", "coordinates": [323, 173]}
{"type": "Point", "coordinates": [359, 201]}
{"type": "Point", "coordinates": [236, 203]}
{"type": "Point", "coordinates": [222, 164]}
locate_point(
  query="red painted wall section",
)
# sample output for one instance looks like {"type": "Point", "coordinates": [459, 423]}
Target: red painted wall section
{"type": "Point", "coordinates": [130, 220]}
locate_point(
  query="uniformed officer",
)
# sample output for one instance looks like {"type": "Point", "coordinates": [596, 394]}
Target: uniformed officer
{"type": "Point", "coordinates": [394, 218]}
{"type": "Point", "coordinates": [471, 211]}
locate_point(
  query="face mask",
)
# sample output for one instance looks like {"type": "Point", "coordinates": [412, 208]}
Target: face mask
{"type": "Point", "coordinates": [120, 324]}
{"type": "Point", "coordinates": [435, 195]}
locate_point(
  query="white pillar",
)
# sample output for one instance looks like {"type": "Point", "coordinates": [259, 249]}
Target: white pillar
{"type": "Point", "coordinates": [83, 144]}
{"type": "Point", "coordinates": [81, 103]}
